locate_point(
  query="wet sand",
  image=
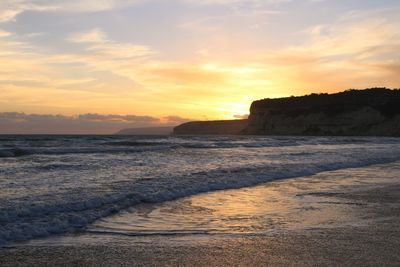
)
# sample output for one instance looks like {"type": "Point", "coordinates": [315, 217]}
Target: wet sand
{"type": "Point", "coordinates": [374, 241]}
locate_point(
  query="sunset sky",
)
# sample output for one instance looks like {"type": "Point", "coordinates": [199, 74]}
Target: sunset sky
{"type": "Point", "coordinates": [150, 62]}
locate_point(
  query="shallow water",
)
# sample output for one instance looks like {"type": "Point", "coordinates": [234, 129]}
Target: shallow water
{"type": "Point", "coordinates": [303, 203]}
{"type": "Point", "coordinates": [56, 184]}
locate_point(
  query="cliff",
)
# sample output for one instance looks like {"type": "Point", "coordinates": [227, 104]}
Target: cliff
{"type": "Point", "coordinates": [369, 112]}
{"type": "Point", "coordinates": [228, 127]}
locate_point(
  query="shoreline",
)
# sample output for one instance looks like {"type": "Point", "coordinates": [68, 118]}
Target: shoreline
{"type": "Point", "coordinates": [372, 242]}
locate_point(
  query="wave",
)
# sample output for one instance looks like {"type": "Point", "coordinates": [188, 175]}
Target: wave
{"type": "Point", "coordinates": [150, 233]}
{"type": "Point", "coordinates": [22, 221]}
{"type": "Point", "coordinates": [133, 143]}
{"type": "Point", "coordinates": [59, 145]}
{"type": "Point", "coordinates": [13, 152]}
{"type": "Point", "coordinates": [19, 152]}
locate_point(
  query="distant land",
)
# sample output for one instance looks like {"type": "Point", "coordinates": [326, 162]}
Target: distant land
{"type": "Point", "coordinates": [166, 130]}
{"type": "Point", "coordinates": [368, 112]}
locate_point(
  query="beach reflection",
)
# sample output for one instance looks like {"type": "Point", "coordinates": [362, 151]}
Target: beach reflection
{"type": "Point", "coordinates": [232, 211]}
{"type": "Point", "coordinates": [279, 205]}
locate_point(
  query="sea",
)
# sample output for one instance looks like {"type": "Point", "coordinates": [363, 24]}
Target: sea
{"type": "Point", "coordinates": [59, 184]}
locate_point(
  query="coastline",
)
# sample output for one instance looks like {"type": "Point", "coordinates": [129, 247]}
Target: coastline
{"type": "Point", "coordinates": [373, 239]}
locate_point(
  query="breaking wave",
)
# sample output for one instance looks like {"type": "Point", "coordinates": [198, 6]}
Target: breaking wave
{"type": "Point", "coordinates": [51, 195]}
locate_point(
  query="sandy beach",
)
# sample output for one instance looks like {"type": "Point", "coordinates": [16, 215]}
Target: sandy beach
{"type": "Point", "coordinates": [360, 228]}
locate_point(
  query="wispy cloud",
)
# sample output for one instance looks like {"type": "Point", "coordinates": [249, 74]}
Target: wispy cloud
{"type": "Point", "coordinates": [4, 33]}
{"type": "Point", "coordinates": [99, 45]}
{"type": "Point", "coordinates": [349, 53]}
{"type": "Point", "coordinates": [10, 9]}
{"type": "Point", "coordinates": [242, 2]}
{"type": "Point", "coordinates": [93, 36]}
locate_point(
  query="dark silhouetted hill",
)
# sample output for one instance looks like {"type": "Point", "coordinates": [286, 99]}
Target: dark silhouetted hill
{"type": "Point", "coordinates": [368, 112]}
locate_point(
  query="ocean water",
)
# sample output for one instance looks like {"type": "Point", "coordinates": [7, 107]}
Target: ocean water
{"type": "Point", "coordinates": [57, 184]}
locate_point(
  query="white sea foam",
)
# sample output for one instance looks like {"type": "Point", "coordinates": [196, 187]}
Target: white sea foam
{"type": "Point", "coordinates": [66, 183]}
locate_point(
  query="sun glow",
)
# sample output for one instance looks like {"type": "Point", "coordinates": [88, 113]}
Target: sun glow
{"type": "Point", "coordinates": [233, 110]}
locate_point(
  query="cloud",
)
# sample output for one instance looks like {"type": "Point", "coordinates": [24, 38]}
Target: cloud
{"type": "Point", "coordinates": [355, 51]}
{"type": "Point", "coordinates": [4, 33]}
{"type": "Point", "coordinates": [231, 2]}
{"type": "Point", "coordinates": [92, 5]}
{"type": "Point", "coordinates": [10, 9]}
{"type": "Point", "coordinates": [21, 123]}
{"type": "Point", "coordinates": [173, 120]}
{"type": "Point", "coordinates": [112, 51]}
{"type": "Point", "coordinates": [93, 36]}
{"type": "Point", "coordinates": [101, 53]}
{"type": "Point", "coordinates": [27, 66]}
{"type": "Point", "coordinates": [241, 117]}
{"type": "Point", "coordinates": [118, 118]}
{"type": "Point", "coordinates": [98, 45]}
{"type": "Point", "coordinates": [183, 74]}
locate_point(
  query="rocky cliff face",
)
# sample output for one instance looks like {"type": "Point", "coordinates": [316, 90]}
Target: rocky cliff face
{"type": "Point", "coordinates": [370, 112]}
{"type": "Point", "coordinates": [230, 127]}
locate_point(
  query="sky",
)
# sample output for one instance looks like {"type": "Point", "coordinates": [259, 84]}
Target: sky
{"type": "Point", "coordinates": [98, 65]}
